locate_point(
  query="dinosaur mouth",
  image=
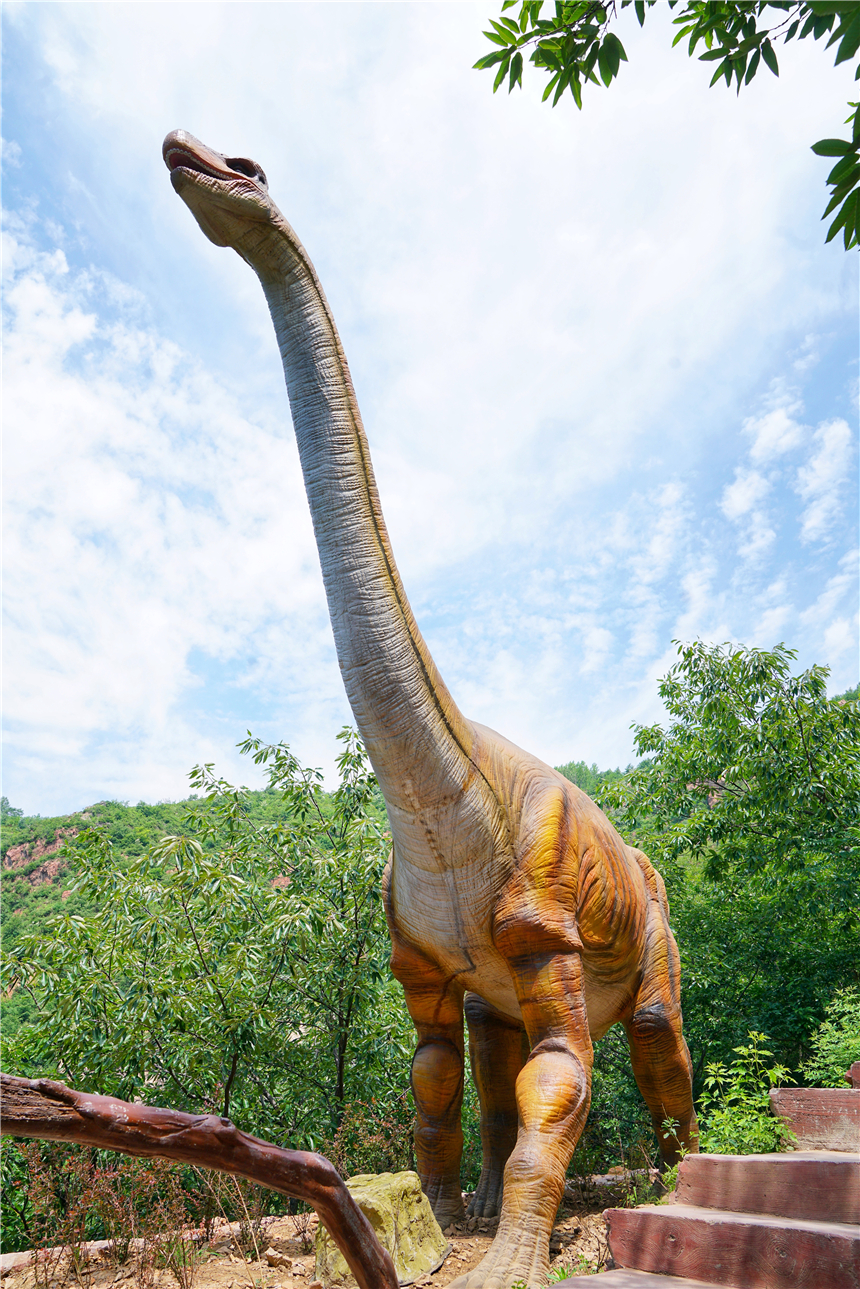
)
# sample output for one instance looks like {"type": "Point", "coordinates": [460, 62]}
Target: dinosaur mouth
{"type": "Point", "coordinates": [179, 159]}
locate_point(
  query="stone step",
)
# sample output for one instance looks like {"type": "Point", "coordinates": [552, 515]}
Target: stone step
{"type": "Point", "coordinates": [821, 1185]}
{"type": "Point", "coordinates": [820, 1118]}
{"type": "Point", "coordinates": [623, 1278]}
{"type": "Point", "coordinates": [741, 1250]}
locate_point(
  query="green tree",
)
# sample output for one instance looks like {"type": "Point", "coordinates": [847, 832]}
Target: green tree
{"type": "Point", "coordinates": [7, 811]}
{"type": "Point", "coordinates": [758, 769]}
{"type": "Point", "coordinates": [587, 777]}
{"type": "Point", "coordinates": [748, 802]}
{"type": "Point", "coordinates": [239, 967]}
{"type": "Point", "coordinates": [576, 46]}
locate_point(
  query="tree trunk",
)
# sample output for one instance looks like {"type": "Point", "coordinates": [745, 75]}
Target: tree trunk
{"type": "Point", "coordinates": [52, 1112]}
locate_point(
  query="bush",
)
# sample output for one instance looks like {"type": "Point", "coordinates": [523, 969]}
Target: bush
{"type": "Point", "coordinates": [836, 1043]}
{"type": "Point", "coordinates": [736, 1111]}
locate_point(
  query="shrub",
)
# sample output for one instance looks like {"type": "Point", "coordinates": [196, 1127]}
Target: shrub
{"type": "Point", "coordinates": [836, 1044]}
{"type": "Point", "coordinates": [736, 1112]}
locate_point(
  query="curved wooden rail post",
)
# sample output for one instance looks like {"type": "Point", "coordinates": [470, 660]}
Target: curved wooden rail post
{"type": "Point", "coordinates": [51, 1111]}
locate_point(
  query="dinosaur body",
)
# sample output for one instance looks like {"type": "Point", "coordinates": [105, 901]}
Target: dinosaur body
{"type": "Point", "coordinates": [510, 897]}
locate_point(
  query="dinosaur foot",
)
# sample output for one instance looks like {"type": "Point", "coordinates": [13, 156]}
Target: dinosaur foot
{"type": "Point", "coordinates": [517, 1256]}
{"type": "Point", "coordinates": [446, 1199]}
{"type": "Point", "coordinates": [487, 1200]}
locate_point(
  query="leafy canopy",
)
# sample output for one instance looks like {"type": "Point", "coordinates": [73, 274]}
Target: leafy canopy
{"type": "Point", "coordinates": [575, 45]}
{"type": "Point", "coordinates": [758, 770]}
{"type": "Point", "coordinates": [240, 966]}
{"type": "Point", "coordinates": [748, 802]}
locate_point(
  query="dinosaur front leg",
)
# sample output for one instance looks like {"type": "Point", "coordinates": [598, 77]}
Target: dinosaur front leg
{"type": "Point", "coordinates": [498, 1049]}
{"type": "Point", "coordinates": [435, 1003]}
{"type": "Point", "coordinates": [553, 1093]}
{"type": "Point", "coordinates": [437, 1086]}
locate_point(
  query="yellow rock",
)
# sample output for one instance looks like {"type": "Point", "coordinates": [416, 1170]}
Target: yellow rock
{"type": "Point", "coordinates": [403, 1222]}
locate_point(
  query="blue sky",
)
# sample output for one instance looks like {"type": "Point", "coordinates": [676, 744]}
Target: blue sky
{"type": "Point", "coordinates": [607, 366]}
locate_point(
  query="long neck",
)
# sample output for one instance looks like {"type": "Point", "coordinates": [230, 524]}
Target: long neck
{"type": "Point", "coordinates": [415, 734]}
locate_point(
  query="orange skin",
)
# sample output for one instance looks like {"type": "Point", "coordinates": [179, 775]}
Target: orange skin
{"type": "Point", "coordinates": [582, 926]}
{"type": "Point", "coordinates": [510, 897]}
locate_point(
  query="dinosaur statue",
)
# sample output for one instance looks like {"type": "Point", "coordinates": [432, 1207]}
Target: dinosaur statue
{"type": "Point", "coordinates": [510, 896]}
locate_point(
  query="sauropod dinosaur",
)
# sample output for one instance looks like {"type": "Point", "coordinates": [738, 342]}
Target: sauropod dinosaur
{"type": "Point", "coordinates": [509, 895]}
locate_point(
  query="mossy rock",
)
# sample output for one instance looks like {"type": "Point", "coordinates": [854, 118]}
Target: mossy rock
{"type": "Point", "coordinates": [403, 1222]}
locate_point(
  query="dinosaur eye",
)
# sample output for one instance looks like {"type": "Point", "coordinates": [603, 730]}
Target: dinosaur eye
{"type": "Point", "coordinates": [245, 167]}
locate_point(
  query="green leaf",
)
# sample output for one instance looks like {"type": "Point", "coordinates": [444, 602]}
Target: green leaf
{"type": "Point", "coordinates": [516, 75]}
{"type": "Point", "coordinates": [840, 172]}
{"type": "Point", "coordinates": [490, 60]}
{"type": "Point", "coordinates": [502, 73]}
{"type": "Point", "coordinates": [617, 48]}
{"type": "Point", "coordinates": [847, 215]}
{"type": "Point", "coordinates": [767, 53]}
{"type": "Point", "coordinates": [753, 67]}
{"type": "Point", "coordinates": [604, 62]}
{"type": "Point", "coordinates": [685, 31]}
{"type": "Point", "coordinates": [550, 87]}
{"type": "Point", "coordinates": [503, 33]}
{"type": "Point", "coordinates": [724, 69]}
{"type": "Point", "coordinates": [850, 41]}
{"type": "Point", "coordinates": [831, 148]}
{"type": "Point", "coordinates": [832, 204]}
{"type": "Point", "coordinates": [640, 12]}
{"type": "Point", "coordinates": [497, 40]}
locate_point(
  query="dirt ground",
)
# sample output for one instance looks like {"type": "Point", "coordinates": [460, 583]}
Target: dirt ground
{"type": "Point", "coordinates": [578, 1246]}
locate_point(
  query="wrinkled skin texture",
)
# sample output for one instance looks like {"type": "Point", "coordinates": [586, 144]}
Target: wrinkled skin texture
{"type": "Point", "coordinates": [510, 897]}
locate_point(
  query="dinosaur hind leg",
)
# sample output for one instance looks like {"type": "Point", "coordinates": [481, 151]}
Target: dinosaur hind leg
{"type": "Point", "coordinates": [661, 1060]}
{"type": "Point", "coordinates": [498, 1049]}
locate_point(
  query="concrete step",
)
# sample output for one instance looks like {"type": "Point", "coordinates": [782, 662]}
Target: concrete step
{"type": "Point", "coordinates": [741, 1250]}
{"type": "Point", "coordinates": [820, 1118]}
{"type": "Point", "coordinates": [821, 1185]}
{"type": "Point", "coordinates": [626, 1279]}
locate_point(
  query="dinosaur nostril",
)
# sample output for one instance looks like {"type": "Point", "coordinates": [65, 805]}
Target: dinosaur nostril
{"type": "Point", "coordinates": [244, 167]}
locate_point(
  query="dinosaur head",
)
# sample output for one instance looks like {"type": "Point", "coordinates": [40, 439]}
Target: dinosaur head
{"type": "Point", "coordinates": [226, 195]}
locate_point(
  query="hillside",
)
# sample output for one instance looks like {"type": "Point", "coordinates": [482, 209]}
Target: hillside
{"type": "Point", "coordinates": [38, 868]}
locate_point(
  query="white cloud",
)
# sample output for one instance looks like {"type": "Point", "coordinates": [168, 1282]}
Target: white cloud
{"type": "Point", "coordinates": [740, 503]}
{"type": "Point", "coordinates": [838, 588]}
{"type": "Point", "coordinates": [820, 482]}
{"type": "Point", "coordinates": [767, 630]}
{"type": "Point", "coordinates": [809, 355]}
{"type": "Point", "coordinates": [146, 518]}
{"type": "Point", "coordinates": [741, 497]}
{"type": "Point", "coordinates": [11, 153]}
{"type": "Point", "coordinates": [774, 433]}
{"type": "Point", "coordinates": [840, 639]}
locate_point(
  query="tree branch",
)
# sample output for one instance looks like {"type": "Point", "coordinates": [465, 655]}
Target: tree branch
{"type": "Point", "coordinates": [52, 1112]}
